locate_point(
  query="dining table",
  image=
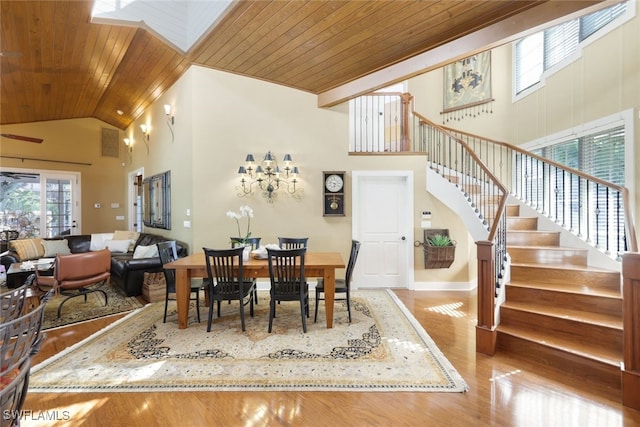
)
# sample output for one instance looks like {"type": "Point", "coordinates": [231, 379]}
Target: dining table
{"type": "Point", "coordinates": [316, 264]}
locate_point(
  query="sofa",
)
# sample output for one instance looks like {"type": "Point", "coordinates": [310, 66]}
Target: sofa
{"type": "Point", "coordinates": [129, 261]}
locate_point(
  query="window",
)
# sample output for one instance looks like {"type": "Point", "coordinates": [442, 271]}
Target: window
{"type": "Point", "coordinates": [541, 51]}
{"type": "Point", "coordinates": [600, 154]}
{"type": "Point", "coordinates": [529, 66]}
{"type": "Point", "coordinates": [590, 207]}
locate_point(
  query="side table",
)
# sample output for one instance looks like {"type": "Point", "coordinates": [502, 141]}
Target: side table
{"type": "Point", "coordinates": [16, 276]}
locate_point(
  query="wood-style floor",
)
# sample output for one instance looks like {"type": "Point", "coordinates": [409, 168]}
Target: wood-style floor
{"type": "Point", "coordinates": [503, 391]}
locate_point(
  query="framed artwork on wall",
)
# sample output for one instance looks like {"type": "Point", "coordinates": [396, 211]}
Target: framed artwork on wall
{"type": "Point", "coordinates": [467, 87]}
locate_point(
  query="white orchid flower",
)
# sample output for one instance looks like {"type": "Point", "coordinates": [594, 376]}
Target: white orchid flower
{"type": "Point", "coordinates": [233, 215]}
{"type": "Point", "coordinates": [245, 212]}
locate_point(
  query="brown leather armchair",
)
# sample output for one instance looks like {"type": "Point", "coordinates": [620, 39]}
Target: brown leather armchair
{"type": "Point", "coordinates": [78, 274]}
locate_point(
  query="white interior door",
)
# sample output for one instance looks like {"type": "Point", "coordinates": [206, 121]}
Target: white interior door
{"type": "Point", "coordinates": [382, 215]}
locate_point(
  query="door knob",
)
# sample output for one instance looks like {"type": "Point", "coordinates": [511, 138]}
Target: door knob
{"type": "Point", "coordinates": [403, 238]}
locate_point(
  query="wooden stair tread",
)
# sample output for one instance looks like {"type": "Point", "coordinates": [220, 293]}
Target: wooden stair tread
{"type": "Point", "coordinates": [531, 231]}
{"type": "Point", "coordinates": [559, 311]}
{"type": "Point", "coordinates": [599, 319]}
{"type": "Point", "coordinates": [581, 268]}
{"type": "Point", "coordinates": [546, 247]}
{"type": "Point", "coordinates": [603, 355]}
{"type": "Point", "coordinates": [570, 288]}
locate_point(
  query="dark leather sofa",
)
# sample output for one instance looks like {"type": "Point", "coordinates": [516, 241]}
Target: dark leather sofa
{"type": "Point", "coordinates": [126, 272]}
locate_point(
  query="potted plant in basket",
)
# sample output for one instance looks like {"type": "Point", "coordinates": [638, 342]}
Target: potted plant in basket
{"type": "Point", "coordinates": [439, 251]}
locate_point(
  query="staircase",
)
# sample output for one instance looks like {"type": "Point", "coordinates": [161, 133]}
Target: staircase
{"type": "Point", "coordinates": [559, 311]}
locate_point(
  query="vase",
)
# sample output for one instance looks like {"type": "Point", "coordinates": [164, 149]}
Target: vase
{"type": "Point", "coordinates": [246, 252]}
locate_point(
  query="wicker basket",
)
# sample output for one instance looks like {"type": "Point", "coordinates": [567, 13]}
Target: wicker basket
{"type": "Point", "coordinates": [154, 287]}
{"type": "Point", "coordinates": [437, 256]}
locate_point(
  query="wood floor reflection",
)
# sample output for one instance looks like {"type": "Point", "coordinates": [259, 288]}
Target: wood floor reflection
{"type": "Point", "coordinates": [503, 391]}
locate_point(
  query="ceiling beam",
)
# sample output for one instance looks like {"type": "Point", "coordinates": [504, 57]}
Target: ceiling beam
{"type": "Point", "coordinates": [530, 21]}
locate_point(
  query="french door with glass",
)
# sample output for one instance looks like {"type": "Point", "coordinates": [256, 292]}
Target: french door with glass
{"type": "Point", "coordinates": [39, 203]}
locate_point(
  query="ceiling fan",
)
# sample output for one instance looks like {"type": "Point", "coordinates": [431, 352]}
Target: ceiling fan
{"type": "Point", "coordinates": [17, 176]}
{"type": "Point", "coordinates": [22, 138]}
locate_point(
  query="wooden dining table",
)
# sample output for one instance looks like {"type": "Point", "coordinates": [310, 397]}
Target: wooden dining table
{"type": "Point", "coordinates": [316, 264]}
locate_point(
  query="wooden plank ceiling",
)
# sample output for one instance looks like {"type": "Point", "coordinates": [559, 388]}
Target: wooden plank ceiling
{"type": "Point", "coordinates": [56, 64]}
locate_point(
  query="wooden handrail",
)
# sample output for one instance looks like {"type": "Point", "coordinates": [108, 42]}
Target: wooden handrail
{"type": "Point", "coordinates": [632, 241]}
{"type": "Point", "coordinates": [495, 181]}
{"type": "Point", "coordinates": [542, 159]}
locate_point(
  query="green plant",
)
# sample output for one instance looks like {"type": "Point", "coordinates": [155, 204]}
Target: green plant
{"type": "Point", "coordinates": [440, 240]}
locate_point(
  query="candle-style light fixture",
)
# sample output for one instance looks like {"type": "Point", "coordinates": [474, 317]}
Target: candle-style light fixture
{"type": "Point", "coordinates": [145, 135]}
{"type": "Point", "coordinates": [128, 143]}
{"type": "Point", "coordinates": [170, 120]}
{"type": "Point", "coordinates": [268, 177]}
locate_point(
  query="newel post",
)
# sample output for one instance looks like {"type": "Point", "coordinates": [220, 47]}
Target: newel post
{"type": "Point", "coordinates": [405, 127]}
{"type": "Point", "coordinates": [486, 329]}
{"type": "Point", "coordinates": [631, 330]}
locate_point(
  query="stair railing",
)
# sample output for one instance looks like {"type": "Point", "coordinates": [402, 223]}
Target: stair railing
{"type": "Point", "coordinates": [458, 162]}
{"type": "Point", "coordinates": [487, 171]}
{"type": "Point", "coordinates": [590, 208]}
{"type": "Point", "coordinates": [593, 209]}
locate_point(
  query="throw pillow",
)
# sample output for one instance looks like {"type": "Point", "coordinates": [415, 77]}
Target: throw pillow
{"type": "Point", "coordinates": [117, 246]}
{"type": "Point", "coordinates": [27, 249]}
{"type": "Point", "coordinates": [55, 247]}
{"type": "Point", "coordinates": [98, 240]}
{"type": "Point", "coordinates": [150, 251]}
{"type": "Point", "coordinates": [127, 235]}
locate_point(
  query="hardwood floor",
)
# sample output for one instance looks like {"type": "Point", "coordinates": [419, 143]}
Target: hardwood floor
{"type": "Point", "coordinates": [503, 391]}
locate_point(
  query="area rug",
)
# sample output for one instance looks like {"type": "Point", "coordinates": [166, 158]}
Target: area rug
{"type": "Point", "coordinates": [77, 310]}
{"type": "Point", "coordinates": [383, 349]}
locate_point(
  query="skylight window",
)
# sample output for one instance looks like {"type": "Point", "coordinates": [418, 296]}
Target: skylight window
{"type": "Point", "coordinates": [180, 23]}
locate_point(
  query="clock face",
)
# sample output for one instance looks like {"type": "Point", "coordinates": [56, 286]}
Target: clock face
{"type": "Point", "coordinates": [334, 183]}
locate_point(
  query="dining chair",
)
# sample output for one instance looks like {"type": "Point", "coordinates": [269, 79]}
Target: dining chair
{"type": "Point", "coordinates": [12, 303]}
{"type": "Point", "coordinates": [226, 281]}
{"type": "Point", "coordinates": [255, 244]}
{"type": "Point", "coordinates": [288, 282]}
{"type": "Point", "coordinates": [168, 253]}
{"type": "Point", "coordinates": [343, 286]}
{"type": "Point", "coordinates": [292, 242]}
{"type": "Point", "coordinates": [253, 241]}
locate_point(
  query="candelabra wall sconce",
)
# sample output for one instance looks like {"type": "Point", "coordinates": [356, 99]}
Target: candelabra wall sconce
{"type": "Point", "coordinates": [269, 178]}
{"type": "Point", "coordinates": [170, 120]}
{"type": "Point", "coordinates": [145, 135]}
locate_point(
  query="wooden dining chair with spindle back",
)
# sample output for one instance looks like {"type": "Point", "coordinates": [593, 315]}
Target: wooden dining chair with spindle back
{"type": "Point", "coordinates": [288, 281]}
{"type": "Point", "coordinates": [255, 244]}
{"type": "Point", "coordinates": [226, 281]}
{"type": "Point", "coordinates": [343, 286]}
{"type": "Point", "coordinates": [167, 251]}
{"type": "Point", "coordinates": [292, 242]}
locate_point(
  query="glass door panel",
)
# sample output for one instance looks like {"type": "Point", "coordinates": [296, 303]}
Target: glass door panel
{"type": "Point", "coordinates": [39, 203]}
{"type": "Point", "coordinates": [59, 207]}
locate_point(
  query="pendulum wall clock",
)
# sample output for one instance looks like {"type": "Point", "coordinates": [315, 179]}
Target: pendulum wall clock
{"type": "Point", "coordinates": [333, 193]}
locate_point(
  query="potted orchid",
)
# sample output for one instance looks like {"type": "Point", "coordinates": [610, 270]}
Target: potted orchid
{"type": "Point", "coordinates": [245, 212]}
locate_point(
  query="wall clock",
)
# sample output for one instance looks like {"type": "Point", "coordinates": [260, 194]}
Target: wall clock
{"type": "Point", "coordinates": [333, 193]}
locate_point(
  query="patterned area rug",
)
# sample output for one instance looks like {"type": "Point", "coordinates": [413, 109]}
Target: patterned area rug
{"type": "Point", "coordinates": [383, 349]}
{"type": "Point", "coordinates": [77, 310]}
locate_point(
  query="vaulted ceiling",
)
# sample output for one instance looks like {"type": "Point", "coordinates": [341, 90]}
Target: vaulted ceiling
{"type": "Point", "coordinates": [56, 64]}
